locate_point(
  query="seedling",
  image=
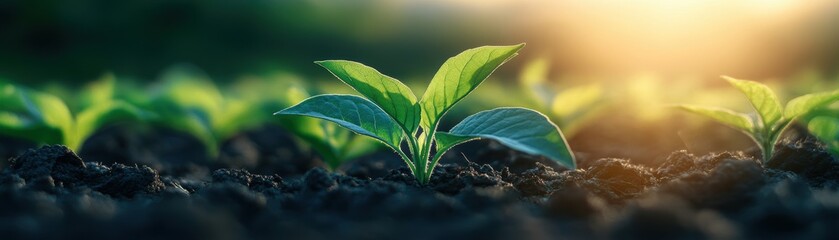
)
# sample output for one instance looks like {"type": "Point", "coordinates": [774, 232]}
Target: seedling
{"type": "Point", "coordinates": [390, 113]}
{"type": "Point", "coordinates": [188, 101]}
{"type": "Point", "coordinates": [771, 119]}
{"type": "Point", "coordinates": [46, 119]}
{"type": "Point", "coordinates": [571, 108]}
{"type": "Point", "coordinates": [825, 125]}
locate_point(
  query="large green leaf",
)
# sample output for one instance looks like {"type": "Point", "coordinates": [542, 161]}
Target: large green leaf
{"type": "Point", "coordinates": [355, 113]}
{"type": "Point", "coordinates": [392, 96]}
{"type": "Point", "coordinates": [458, 76]}
{"type": "Point", "coordinates": [826, 128]}
{"type": "Point", "coordinates": [733, 119]}
{"type": "Point", "coordinates": [518, 128]}
{"type": "Point", "coordinates": [762, 98]}
{"type": "Point", "coordinates": [804, 104]}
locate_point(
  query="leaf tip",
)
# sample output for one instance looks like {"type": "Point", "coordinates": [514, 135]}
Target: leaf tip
{"type": "Point", "coordinates": [730, 79]}
{"type": "Point", "coordinates": [281, 112]}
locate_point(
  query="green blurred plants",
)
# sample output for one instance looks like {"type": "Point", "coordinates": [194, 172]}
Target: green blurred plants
{"type": "Point", "coordinates": [771, 119]}
{"type": "Point", "coordinates": [572, 107]}
{"type": "Point", "coordinates": [46, 119]}
{"type": "Point", "coordinates": [189, 101]}
{"type": "Point", "coordinates": [825, 126]}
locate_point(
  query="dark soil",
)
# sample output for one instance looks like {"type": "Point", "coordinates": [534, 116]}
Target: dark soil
{"type": "Point", "coordinates": [153, 192]}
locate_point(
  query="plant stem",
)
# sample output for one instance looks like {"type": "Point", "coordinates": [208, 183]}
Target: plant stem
{"type": "Point", "coordinates": [416, 154]}
{"type": "Point", "coordinates": [434, 160]}
{"type": "Point", "coordinates": [407, 162]}
{"type": "Point", "coordinates": [426, 151]}
{"type": "Point", "coordinates": [768, 150]}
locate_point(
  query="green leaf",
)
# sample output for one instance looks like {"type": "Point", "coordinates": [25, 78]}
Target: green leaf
{"type": "Point", "coordinates": [190, 89]}
{"type": "Point", "coordinates": [826, 128]}
{"type": "Point", "coordinates": [238, 115]}
{"type": "Point", "coordinates": [396, 99]}
{"type": "Point", "coordinates": [458, 76]}
{"type": "Point", "coordinates": [533, 79]}
{"type": "Point", "coordinates": [355, 113]}
{"type": "Point", "coordinates": [733, 119]}
{"type": "Point", "coordinates": [98, 91]}
{"type": "Point", "coordinates": [534, 73]}
{"type": "Point", "coordinates": [35, 116]}
{"type": "Point", "coordinates": [185, 119]}
{"type": "Point", "coordinates": [762, 98]}
{"type": "Point", "coordinates": [101, 114]}
{"type": "Point", "coordinates": [804, 104]}
{"type": "Point", "coordinates": [518, 128]}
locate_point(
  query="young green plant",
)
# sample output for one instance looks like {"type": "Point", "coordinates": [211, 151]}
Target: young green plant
{"type": "Point", "coordinates": [190, 102]}
{"type": "Point", "coordinates": [824, 124]}
{"type": "Point", "coordinates": [390, 113]}
{"type": "Point", "coordinates": [46, 119]}
{"type": "Point", "coordinates": [771, 118]}
{"type": "Point", "coordinates": [571, 108]}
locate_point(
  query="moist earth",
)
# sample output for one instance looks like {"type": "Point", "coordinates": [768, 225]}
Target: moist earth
{"type": "Point", "coordinates": [52, 193]}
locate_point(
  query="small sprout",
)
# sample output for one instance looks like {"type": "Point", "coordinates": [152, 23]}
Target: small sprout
{"type": "Point", "coordinates": [825, 126]}
{"type": "Point", "coordinates": [390, 113]}
{"type": "Point", "coordinates": [771, 120]}
{"type": "Point", "coordinates": [46, 119]}
{"type": "Point", "coordinates": [570, 108]}
{"type": "Point", "coordinates": [188, 101]}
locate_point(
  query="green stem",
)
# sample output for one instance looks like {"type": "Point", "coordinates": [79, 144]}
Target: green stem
{"type": "Point", "coordinates": [768, 150]}
{"type": "Point", "coordinates": [415, 153]}
{"type": "Point", "coordinates": [426, 151]}
{"type": "Point", "coordinates": [407, 161]}
{"type": "Point", "coordinates": [437, 156]}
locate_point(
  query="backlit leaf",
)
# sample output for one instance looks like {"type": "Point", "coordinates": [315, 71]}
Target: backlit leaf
{"type": "Point", "coordinates": [458, 76]}
{"type": "Point", "coordinates": [804, 104]}
{"type": "Point", "coordinates": [390, 94]}
{"type": "Point", "coordinates": [518, 128]}
{"type": "Point", "coordinates": [355, 113]}
{"type": "Point", "coordinates": [733, 119]}
{"type": "Point", "coordinates": [762, 98]}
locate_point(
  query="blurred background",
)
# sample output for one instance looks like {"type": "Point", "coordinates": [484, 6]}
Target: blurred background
{"type": "Point", "coordinates": [640, 54]}
{"type": "Point", "coordinates": [79, 40]}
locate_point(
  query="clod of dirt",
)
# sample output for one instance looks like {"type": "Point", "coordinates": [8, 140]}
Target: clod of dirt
{"type": "Point", "coordinates": [125, 181]}
{"type": "Point", "coordinates": [536, 181]}
{"type": "Point", "coordinates": [451, 179]}
{"type": "Point", "coordinates": [56, 161]}
{"type": "Point", "coordinates": [55, 165]}
{"type": "Point", "coordinates": [677, 163]}
{"type": "Point", "coordinates": [258, 183]}
{"type": "Point", "coordinates": [807, 158]}
{"type": "Point", "coordinates": [614, 180]}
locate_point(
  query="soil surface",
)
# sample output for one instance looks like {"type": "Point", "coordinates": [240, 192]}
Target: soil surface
{"type": "Point", "coordinates": [127, 185]}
